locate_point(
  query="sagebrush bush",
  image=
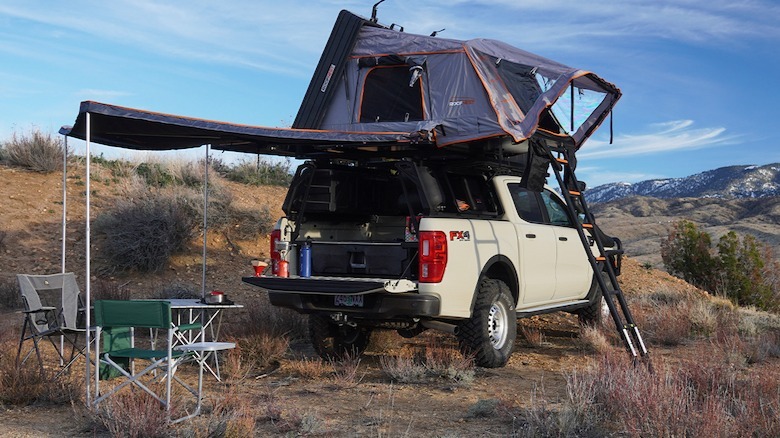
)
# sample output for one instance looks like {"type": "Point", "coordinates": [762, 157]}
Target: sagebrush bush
{"type": "Point", "coordinates": [435, 361]}
{"type": "Point", "coordinates": [701, 397]}
{"type": "Point", "coordinates": [133, 415]}
{"type": "Point", "coordinates": [35, 151]}
{"type": "Point", "coordinates": [261, 173]}
{"type": "Point", "coordinates": [140, 234]}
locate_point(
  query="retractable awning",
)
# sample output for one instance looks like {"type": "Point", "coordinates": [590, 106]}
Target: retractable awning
{"type": "Point", "coordinates": [131, 128]}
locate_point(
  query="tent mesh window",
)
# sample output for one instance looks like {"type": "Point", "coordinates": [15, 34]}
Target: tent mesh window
{"type": "Point", "coordinates": [387, 96]}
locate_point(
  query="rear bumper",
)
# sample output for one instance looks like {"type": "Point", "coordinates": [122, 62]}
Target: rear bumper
{"type": "Point", "coordinates": [318, 297]}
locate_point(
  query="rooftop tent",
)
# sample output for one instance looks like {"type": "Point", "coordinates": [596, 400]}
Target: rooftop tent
{"type": "Point", "coordinates": [376, 88]}
{"type": "Point", "coordinates": [373, 78]}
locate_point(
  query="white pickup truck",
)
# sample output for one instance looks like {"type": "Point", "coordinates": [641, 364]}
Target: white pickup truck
{"type": "Point", "coordinates": [402, 245]}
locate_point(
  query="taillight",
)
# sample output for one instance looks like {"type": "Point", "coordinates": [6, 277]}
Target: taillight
{"type": "Point", "coordinates": [433, 256]}
{"type": "Point", "coordinates": [276, 235]}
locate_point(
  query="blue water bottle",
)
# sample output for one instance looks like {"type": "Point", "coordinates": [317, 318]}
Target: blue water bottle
{"type": "Point", "coordinates": [305, 257]}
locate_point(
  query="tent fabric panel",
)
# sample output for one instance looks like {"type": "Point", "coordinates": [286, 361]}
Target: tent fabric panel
{"type": "Point", "coordinates": [376, 41]}
{"type": "Point", "coordinates": [330, 67]}
{"type": "Point", "coordinates": [454, 89]}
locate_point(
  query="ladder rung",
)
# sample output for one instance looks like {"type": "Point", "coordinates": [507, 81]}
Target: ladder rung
{"type": "Point", "coordinates": [587, 225]}
{"type": "Point", "coordinates": [574, 193]}
{"type": "Point", "coordinates": [600, 258]}
{"type": "Point", "coordinates": [562, 160]}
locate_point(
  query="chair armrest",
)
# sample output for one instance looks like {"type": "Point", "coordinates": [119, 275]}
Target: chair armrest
{"type": "Point", "coordinates": [42, 309]}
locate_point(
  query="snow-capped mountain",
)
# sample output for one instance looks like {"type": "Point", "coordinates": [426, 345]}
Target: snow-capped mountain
{"type": "Point", "coordinates": [725, 182]}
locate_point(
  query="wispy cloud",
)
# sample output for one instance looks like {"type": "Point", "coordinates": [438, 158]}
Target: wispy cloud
{"type": "Point", "coordinates": [286, 37]}
{"type": "Point", "coordinates": [664, 137]}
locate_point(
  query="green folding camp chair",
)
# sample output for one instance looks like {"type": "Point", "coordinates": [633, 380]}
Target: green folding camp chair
{"type": "Point", "coordinates": [116, 321]}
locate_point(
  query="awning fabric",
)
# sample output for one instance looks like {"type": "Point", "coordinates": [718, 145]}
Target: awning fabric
{"type": "Point", "coordinates": [130, 128]}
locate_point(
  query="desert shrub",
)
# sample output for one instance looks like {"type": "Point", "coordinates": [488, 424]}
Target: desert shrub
{"type": "Point", "coordinates": [155, 174]}
{"type": "Point", "coordinates": [117, 169]}
{"type": "Point", "coordinates": [108, 290]}
{"type": "Point", "coordinates": [142, 233]}
{"type": "Point", "coordinates": [261, 173]}
{"type": "Point", "coordinates": [179, 290]}
{"type": "Point", "coordinates": [701, 397]}
{"type": "Point", "coordinates": [435, 361]}
{"type": "Point", "coordinates": [133, 415]}
{"type": "Point", "coordinates": [741, 267]}
{"type": "Point", "coordinates": [232, 416]}
{"type": "Point", "coordinates": [9, 294]}
{"type": "Point", "coordinates": [686, 253]}
{"type": "Point", "coordinates": [261, 350]}
{"type": "Point", "coordinates": [744, 269]}
{"type": "Point", "coordinates": [35, 151]}
{"type": "Point", "coordinates": [26, 384]}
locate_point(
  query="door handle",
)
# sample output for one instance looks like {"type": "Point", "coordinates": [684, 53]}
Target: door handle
{"type": "Point", "coordinates": [563, 239]}
{"type": "Point", "coordinates": [531, 236]}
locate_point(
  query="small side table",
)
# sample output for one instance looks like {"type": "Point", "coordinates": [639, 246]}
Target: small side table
{"type": "Point", "coordinates": [200, 352]}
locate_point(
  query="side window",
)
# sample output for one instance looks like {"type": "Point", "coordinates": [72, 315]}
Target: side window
{"type": "Point", "coordinates": [556, 210]}
{"type": "Point", "coordinates": [527, 204]}
{"type": "Point", "coordinates": [472, 193]}
{"type": "Point", "coordinates": [387, 96]}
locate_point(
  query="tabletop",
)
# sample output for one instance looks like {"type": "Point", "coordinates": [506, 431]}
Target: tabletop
{"type": "Point", "coordinates": [196, 303]}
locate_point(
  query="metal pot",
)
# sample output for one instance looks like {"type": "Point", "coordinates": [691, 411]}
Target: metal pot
{"type": "Point", "coordinates": [215, 297]}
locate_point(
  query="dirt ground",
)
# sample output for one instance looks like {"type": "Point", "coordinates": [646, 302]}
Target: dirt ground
{"type": "Point", "coordinates": [375, 406]}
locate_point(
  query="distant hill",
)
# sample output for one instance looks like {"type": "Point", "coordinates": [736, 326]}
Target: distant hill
{"type": "Point", "coordinates": [732, 182]}
{"type": "Point", "coordinates": [643, 222]}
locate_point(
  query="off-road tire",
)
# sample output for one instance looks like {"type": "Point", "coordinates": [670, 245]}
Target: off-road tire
{"type": "Point", "coordinates": [331, 341]}
{"type": "Point", "coordinates": [489, 335]}
{"type": "Point", "coordinates": [593, 314]}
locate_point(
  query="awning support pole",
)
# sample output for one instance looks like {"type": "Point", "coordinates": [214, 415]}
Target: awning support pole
{"type": "Point", "coordinates": [205, 219]}
{"type": "Point", "coordinates": [64, 199]}
{"type": "Point", "coordinates": [88, 280]}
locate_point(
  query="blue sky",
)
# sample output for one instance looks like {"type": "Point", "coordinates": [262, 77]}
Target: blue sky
{"type": "Point", "coordinates": [700, 78]}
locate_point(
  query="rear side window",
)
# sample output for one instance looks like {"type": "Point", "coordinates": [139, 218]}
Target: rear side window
{"type": "Point", "coordinates": [527, 204]}
{"type": "Point", "coordinates": [556, 210]}
{"type": "Point", "coordinates": [387, 96]}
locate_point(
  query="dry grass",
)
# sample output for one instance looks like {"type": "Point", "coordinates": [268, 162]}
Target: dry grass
{"type": "Point", "coordinates": [436, 361]}
{"type": "Point", "coordinates": [310, 369]}
{"type": "Point", "coordinates": [24, 384]}
{"type": "Point", "coordinates": [346, 371]}
{"type": "Point", "coordinates": [532, 335]}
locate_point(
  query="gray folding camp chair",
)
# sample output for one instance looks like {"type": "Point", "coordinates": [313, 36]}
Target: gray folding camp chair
{"type": "Point", "coordinates": [51, 310]}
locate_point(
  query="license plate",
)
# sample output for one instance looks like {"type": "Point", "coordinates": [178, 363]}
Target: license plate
{"type": "Point", "coordinates": [348, 300]}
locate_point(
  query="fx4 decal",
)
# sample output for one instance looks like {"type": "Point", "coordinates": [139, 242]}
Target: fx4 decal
{"type": "Point", "coordinates": [462, 236]}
